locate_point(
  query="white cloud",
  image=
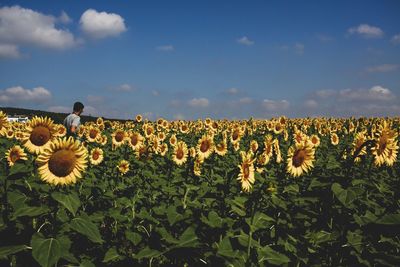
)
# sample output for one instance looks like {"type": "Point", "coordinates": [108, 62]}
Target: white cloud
{"type": "Point", "coordinates": [199, 102]}
{"type": "Point", "coordinates": [101, 24]}
{"type": "Point", "coordinates": [155, 93]}
{"type": "Point", "coordinates": [245, 41]}
{"type": "Point", "coordinates": [366, 31]}
{"type": "Point", "coordinates": [95, 99]}
{"type": "Point", "coordinates": [311, 104]}
{"type": "Point", "coordinates": [396, 39]}
{"type": "Point", "coordinates": [165, 48]}
{"type": "Point", "coordinates": [232, 91]}
{"type": "Point", "coordinates": [299, 48]}
{"type": "Point", "coordinates": [64, 18]}
{"type": "Point", "coordinates": [17, 95]}
{"type": "Point", "coordinates": [375, 93]}
{"type": "Point", "coordinates": [9, 51]}
{"type": "Point", "coordinates": [21, 26]}
{"type": "Point", "coordinates": [324, 38]}
{"type": "Point", "coordinates": [123, 88]}
{"type": "Point", "coordinates": [326, 93]}
{"type": "Point", "coordinates": [245, 100]}
{"type": "Point", "coordinates": [275, 105]}
{"type": "Point", "coordinates": [383, 68]}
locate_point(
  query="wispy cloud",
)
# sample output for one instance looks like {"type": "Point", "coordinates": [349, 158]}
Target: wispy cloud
{"type": "Point", "coordinates": [123, 88]}
{"type": "Point", "coordinates": [396, 39]}
{"type": "Point", "coordinates": [165, 48]}
{"type": "Point", "coordinates": [366, 31]}
{"type": "Point", "coordinates": [383, 68]}
{"type": "Point", "coordinates": [199, 102]}
{"type": "Point", "coordinates": [245, 41]}
{"type": "Point", "coordinates": [9, 51]}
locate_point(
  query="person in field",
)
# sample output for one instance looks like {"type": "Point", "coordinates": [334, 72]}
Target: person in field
{"type": "Point", "coordinates": [73, 120]}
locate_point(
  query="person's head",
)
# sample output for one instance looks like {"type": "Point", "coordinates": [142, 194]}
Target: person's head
{"type": "Point", "coordinates": [78, 108]}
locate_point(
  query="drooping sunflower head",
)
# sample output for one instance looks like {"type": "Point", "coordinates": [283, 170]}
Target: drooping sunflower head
{"type": "Point", "coordinates": [123, 167]}
{"type": "Point", "coordinates": [221, 148]}
{"type": "Point", "coordinates": [180, 153]}
{"type": "Point", "coordinates": [253, 146]}
{"type": "Point", "coordinates": [385, 145]}
{"type": "Point", "coordinates": [63, 162]}
{"type": "Point", "coordinates": [334, 139]}
{"type": "Point", "coordinates": [246, 175]}
{"type": "Point", "coordinates": [14, 154]}
{"type": "Point", "coordinates": [96, 156]}
{"type": "Point", "coordinates": [359, 139]}
{"type": "Point", "coordinates": [173, 140]}
{"type": "Point", "coordinates": [300, 158]}
{"type": "Point", "coordinates": [4, 124]}
{"type": "Point", "coordinates": [39, 133]}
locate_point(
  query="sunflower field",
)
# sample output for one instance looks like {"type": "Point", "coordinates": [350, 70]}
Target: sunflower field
{"type": "Point", "coordinates": [286, 192]}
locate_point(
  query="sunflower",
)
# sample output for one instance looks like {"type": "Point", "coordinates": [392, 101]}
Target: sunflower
{"type": "Point", "coordinates": [277, 151]}
{"type": "Point", "coordinates": [334, 139]}
{"type": "Point", "coordinates": [123, 167]}
{"type": "Point", "coordinates": [358, 141]}
{"type": "Point", "coordinates": [139, 118]}
{"type": "Point", "coordinates": [236, 135]}
{"type": "Point", "coordinates": [192, 152]}
{"type": "Point", "coordinates": [10, 133]}
{"type": "Point", "coordinates": [183, 128]}
{"type": "Point", "coordinates": [205, 146]}
{"type": "Point", "coordinates": [385, 146]}
{"type": "Point", "coordinates": [92, 134]}
{"type": "Point", "coordinates": [148, 130]}
{"type": "Point", "coordinates": [4, 124]}
{"type": "Point", "coordinates": [61, 130]}
{"type": "Point", "coordinates": [263, 159]}
{"type": "Point", "coordinates": [222, 148]}
{"type": "Point", "coordinates": [315, 140]}
{"type": "Point", "coordinates": [300, 158]}
{"type": "Point", "coordinates": [118, 138]}
{"type": "Point", "coordinates": [173, 140]}
{"type": "Point", "coordinates": [38, 134]}
{"type": "Point", "coordinates": [246, 175]}
{"type": "Point", "coordinates": [180, 154]}
{"type": "Point", "coordinates": [14, 154]}
{"type": "Point", "coordinates": [253, 146]}
{"type": "Point", "coordinates": [197, 166]}
{"type": "Point", "coordinates": [163, 149]}
{"type": "Point", "coordinates": [161, 136]}
{"type": "Point", "coordinates": [278, 128]}
{"type": "Point", "coordinates": [135, 140]}
{"type": "Point", "coordinates": [63, 162]}
{"type": "Point", "coordinates": [96, 156]}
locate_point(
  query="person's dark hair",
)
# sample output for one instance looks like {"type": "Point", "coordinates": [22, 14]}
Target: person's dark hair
{"type": "Point", "coordinates": [78, 106]}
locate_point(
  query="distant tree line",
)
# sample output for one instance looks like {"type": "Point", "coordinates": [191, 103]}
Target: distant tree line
{"type": "Point", "coordinates": [57, 117]}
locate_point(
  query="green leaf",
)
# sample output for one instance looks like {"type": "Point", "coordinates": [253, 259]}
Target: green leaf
{"type": "Point", "coordinates": [70, 201]}
{"type": "Point", "coordinates": [147, 253]}
{"type": "Point", "coordinates": [167, 236]}
{"type": "Point", "coordinates": [9, 250]}
{"type": "Point", "coordinates": [213, 220]}
{"type": "Point", "coordinates": [19, 168]}
{"type": "Point", "coordinates": [30, 211]}
{"type": "Point", "coordinates": [346, 197]}
{"type": "Point", "coordinates": [86, 227]}
{"type": "Point", "coordinates": [260, 221]}
{"type": "Point", "coordinates": [16, 199]}
{"type": "Point", "coordinates": [46, 252]}
{"type": "Point", "coordinates": [188, 238]}
{"type": "Point", "coordinates": [273, 257]}
{"type": "Point", "coordinates": [135, 238]}
{"type": "Point", "coordinates": [225, 248]}
{"type": "Point", "coordinates": [355, 240]}
{"type": "Point", "coordinates": [86, 263]}
{"type": "Point", "coordinates": [111, 255]}
{"type": "Point", "coordinates": [173, 216]}
{"type": "Point", "coordinates": [389, 219]}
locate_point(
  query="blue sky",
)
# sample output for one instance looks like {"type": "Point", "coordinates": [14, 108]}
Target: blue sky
{"type": "Point", "coordinates": [197, 59]}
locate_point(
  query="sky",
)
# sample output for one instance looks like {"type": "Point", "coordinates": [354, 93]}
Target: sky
{"type": "Point", "coordinates": [196, 59]}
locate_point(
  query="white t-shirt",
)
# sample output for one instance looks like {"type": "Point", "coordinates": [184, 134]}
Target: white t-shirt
{"type": "Point", "coordinates": [72, 120]}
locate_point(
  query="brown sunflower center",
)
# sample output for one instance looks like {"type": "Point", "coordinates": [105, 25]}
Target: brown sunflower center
{"type": "Point", "coordinates": [119, 136]}
{"type": "Point", "coordinates": [149, 131]}
{"type": "Point", "coordinates": [14, 156]}
{"type": "Point", "coordinates": [96, 155]}
{"type": "Point", "coordinates": [62, 162]}
{"type": "Point", "coordinates": [220, 147]}
{"type": "Point", "coordinates": [314, 140]}
{"type": "Point", "coordinates": [179, 153]}
{"type": "Point", "coordinates": [205, 145]}
{"type": "Point", "coordinates": [382, 143]}
{"type": "Point", "coordinates": [134, 140]}
{"type": "Point", "coordinates": [235, 135]}
{"type": "Point", "coordinates": [93, 133]}
{"type": "Point", "coordinates": [246, 170]}
{"type": "Point", "coordinates": [40, 135]}
{"type": "Point", "coordinates": [299, 157]}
